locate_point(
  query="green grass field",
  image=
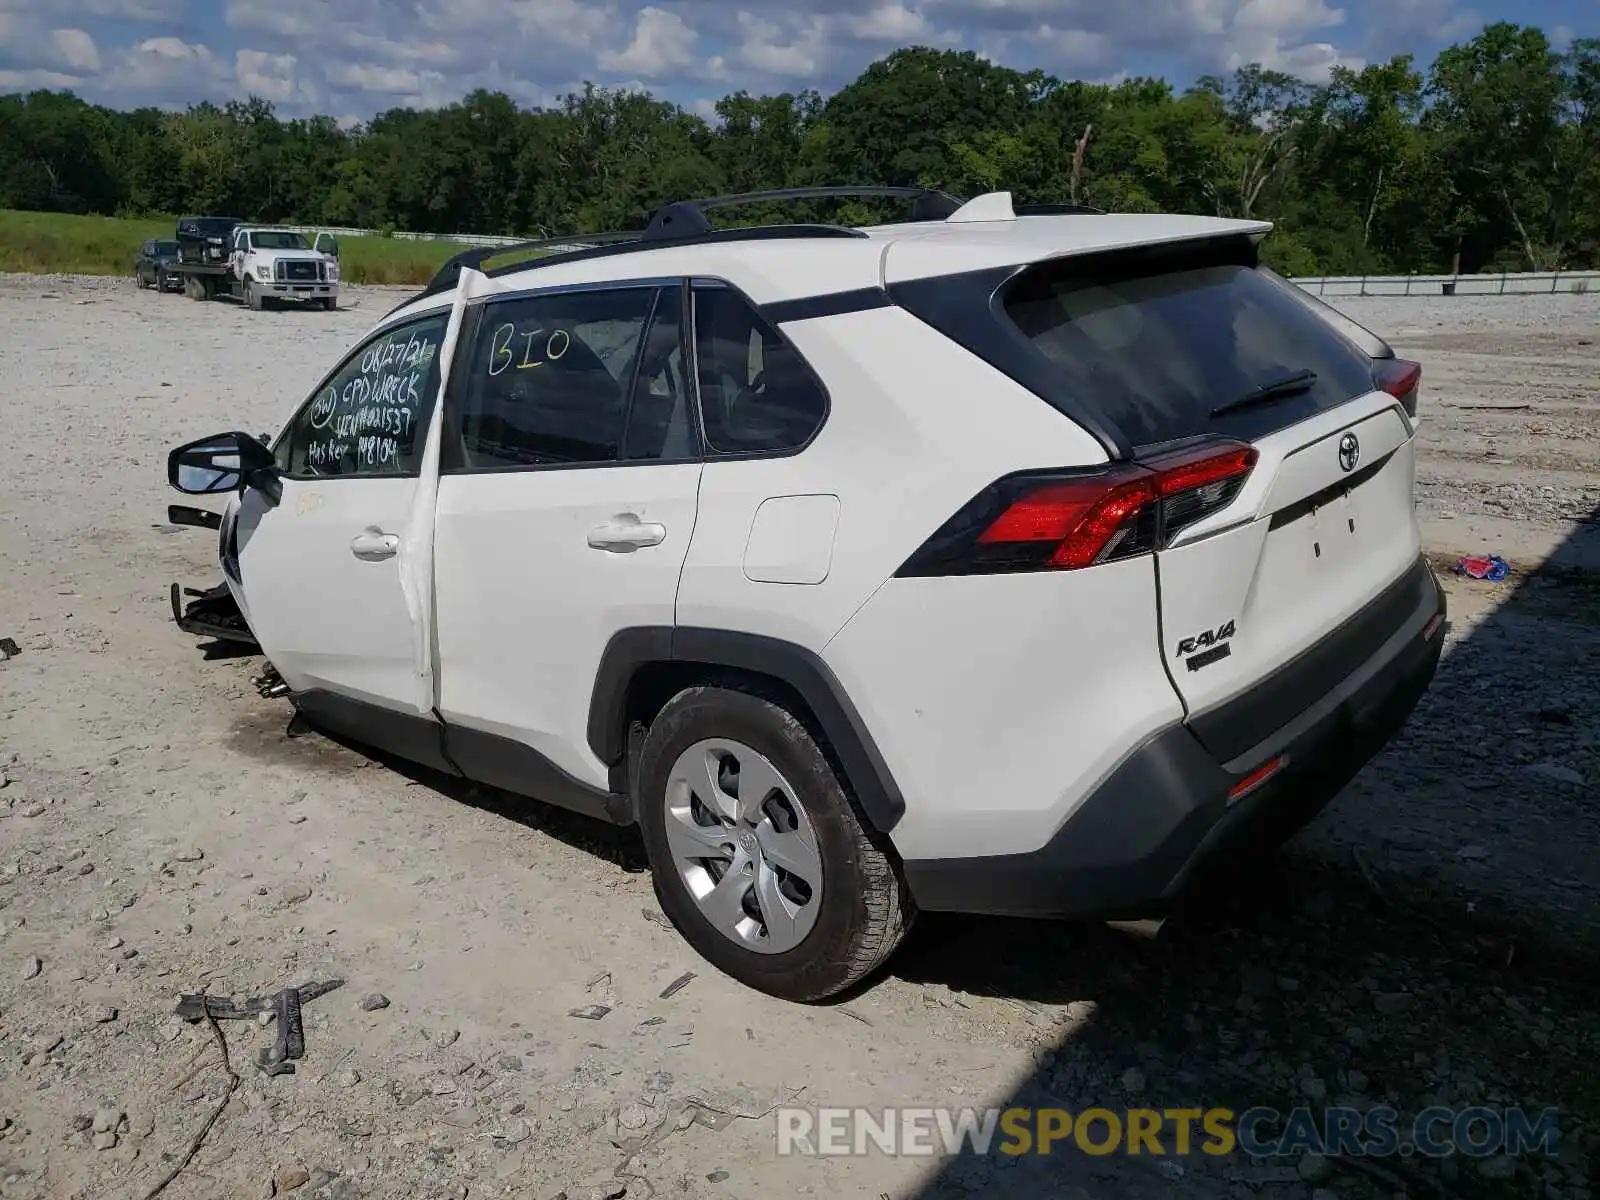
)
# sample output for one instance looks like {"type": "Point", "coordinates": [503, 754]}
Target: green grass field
{"type": "Point", "coordinates": [58, 243]}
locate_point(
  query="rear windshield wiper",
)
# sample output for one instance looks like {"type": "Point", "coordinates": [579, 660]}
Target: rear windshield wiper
{"type": "Point", "coordinates": [1292, 385]}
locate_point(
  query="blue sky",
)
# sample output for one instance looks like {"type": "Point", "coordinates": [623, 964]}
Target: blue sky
{"type": "Point", "coordinates": [352, 58]}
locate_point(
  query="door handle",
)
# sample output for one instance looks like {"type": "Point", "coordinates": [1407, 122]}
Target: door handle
{"type": "Point", "coordinates": [625, 533]}
{"type": "Point", "coordinates": [374, 545]}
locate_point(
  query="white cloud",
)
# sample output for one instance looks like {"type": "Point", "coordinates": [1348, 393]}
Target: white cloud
{"type": "Point", "coordinates": [369, 77]}
{"type": "Point", "coordinates": [770, 49]}
{"type": "Point", "coordinates": [270, 76]}
{"type": "Point", "coordinates": [169, 70]}
{"type": "Point", "coordinates": [662, 44]}
{"type": "Point", "coordinates": [890, 22]}
{"type": "Point", "coordinates": [28, 81]}
{"type": "Point", "coordinates": [157, 11]}
{"type": "Point", "coordinates": [77, 49]}
{"type": "Point", "coordinates": [1295, 15]}
{"type": "Point", "coordinates": [1312, 61]}
{"type": "Point", "coordinates": [1073, 48]}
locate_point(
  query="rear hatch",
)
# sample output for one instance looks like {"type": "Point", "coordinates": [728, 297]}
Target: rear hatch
{"type": "Point", "coordinates": [1271, 466]}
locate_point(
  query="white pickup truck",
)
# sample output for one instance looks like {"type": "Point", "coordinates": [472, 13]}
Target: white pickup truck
{"type": "Point", "coordinates": [266, 263]}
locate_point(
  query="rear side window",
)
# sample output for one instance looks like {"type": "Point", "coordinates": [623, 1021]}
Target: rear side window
{"type": "Point", "coordinates": [550, 377]}
{"type": "Point", "coordinates": [1157, 351]}
{"type": "Point", "coordinates": [756, 393]}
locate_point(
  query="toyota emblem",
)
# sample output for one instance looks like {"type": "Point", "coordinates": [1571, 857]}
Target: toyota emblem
{"type": "Point", "coordinates": [1349, 452]}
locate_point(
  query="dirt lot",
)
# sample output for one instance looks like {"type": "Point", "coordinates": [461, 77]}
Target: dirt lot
{"type": "Point", "coordinates": [1433, 940]}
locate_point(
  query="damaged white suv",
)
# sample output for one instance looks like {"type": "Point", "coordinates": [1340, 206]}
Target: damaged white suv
{"type": "Point", "coordinates": [1003, 560]}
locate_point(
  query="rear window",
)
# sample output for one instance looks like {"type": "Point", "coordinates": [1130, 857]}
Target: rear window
{"type": "Point", "coordinates": [1156, 349]}
{"type": "Point", "coordinates": [215, 225]}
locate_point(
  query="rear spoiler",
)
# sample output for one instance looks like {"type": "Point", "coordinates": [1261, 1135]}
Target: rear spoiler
{"type": "Point", "coordinates": [1367, 341]}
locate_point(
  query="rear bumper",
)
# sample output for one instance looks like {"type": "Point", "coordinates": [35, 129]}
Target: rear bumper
{"type": "Point", "coordinates": [1165, 815]}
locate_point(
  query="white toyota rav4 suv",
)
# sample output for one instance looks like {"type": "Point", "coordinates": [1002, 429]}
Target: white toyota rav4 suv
{"type": "Point", "coordinates": [1005, 560]}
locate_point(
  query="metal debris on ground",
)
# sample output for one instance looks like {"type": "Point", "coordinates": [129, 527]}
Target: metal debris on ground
{"type": "Point", "coordinates": [655, 918]}
{"type": "Point", "coordinates": [590, 1012]}
{"type": "Point", "coordinates": [677, 985]}
{"type": "Point", "coordinates": [284, 1007]}
{"type": "Point", "coordinates": [8, 649]}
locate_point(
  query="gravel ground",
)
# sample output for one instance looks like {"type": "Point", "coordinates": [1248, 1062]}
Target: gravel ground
{"type": "Point", "coordinates": [1432, 939]}
{"type": "Point", "coordinates": [1512, 429]}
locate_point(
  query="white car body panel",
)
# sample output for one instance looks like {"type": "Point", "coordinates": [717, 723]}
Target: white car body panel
{"type": "Point", "coordinates": [999, 701]}
{"type": "Point", "coordinates": [525, 605]}
{"type": "Point", "coordinates": [900, 449]}
{"type": "Point", "coordinates": [328, 620]}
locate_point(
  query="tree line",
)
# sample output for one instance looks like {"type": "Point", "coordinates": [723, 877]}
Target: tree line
{"type": "Point", "coordinates": [1487, 160]}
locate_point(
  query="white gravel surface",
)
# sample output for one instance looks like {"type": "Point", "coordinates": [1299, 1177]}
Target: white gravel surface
{"type": "Point", "coordinates": [159, 834]}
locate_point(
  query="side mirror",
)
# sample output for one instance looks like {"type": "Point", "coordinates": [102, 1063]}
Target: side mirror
{"type": "Point", "coordinates": [225, 463]}
{"type": "Point", "coordinates": [328, 244]}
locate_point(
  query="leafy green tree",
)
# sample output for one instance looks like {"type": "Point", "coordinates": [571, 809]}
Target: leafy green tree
{"type": "Point", "coordinates": [1488, 158]}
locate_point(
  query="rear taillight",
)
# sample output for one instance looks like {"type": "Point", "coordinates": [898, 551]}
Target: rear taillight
{"type": "Point", "coordinates": [1401, 378]}
{"type": "Point", "coordinates": [1063, 521]}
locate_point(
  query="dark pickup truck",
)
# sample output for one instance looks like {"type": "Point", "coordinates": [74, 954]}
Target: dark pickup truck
{"type": "Point", "coordinates": [205, 241]}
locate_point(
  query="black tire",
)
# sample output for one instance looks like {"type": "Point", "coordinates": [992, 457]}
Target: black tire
{"type": "Point", "coordinates": [163, 282]}
{"type": "Point", "coordinates": [865, 907]}
{"type": "Point", "coordinates": [331, 303]}
{"type": "Point", "coordinates": [252, 297]}
{"type": "Point", "coordinates": [138, 278]}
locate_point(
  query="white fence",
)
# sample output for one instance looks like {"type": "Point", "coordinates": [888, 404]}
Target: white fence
{"type": "Point", "coordinates": [465, 239]}
{"type": "Point", "coordinates": [1520, 284]}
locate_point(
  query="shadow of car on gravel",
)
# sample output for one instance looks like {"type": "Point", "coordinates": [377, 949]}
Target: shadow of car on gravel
{"type": "Point", "coordinates": [263, 731]}
{"type": "Point", "coordinates": [1345, 977]}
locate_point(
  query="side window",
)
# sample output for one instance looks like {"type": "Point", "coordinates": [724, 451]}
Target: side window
{"type": "Point", "coordinates": [756, 393]}
{"type": "Point", "coordinates": [660, 425]}
{"type": "Point", "coordinates": [370, 416]}
{"type": "Point", "coordinates": [549, 379]}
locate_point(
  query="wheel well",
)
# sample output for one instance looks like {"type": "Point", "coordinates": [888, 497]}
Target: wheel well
{"type": "Point", "coordinates": [656, 683]}
{"type": "Point", "coordinates": [645, 666]}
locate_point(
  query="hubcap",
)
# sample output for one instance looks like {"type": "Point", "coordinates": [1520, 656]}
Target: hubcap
{"type": "Point", "coordinates": [743, 845]}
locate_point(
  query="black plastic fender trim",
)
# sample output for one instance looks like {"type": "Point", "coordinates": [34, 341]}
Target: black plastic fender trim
{"type": "Point", "coordinates": [630, 650]}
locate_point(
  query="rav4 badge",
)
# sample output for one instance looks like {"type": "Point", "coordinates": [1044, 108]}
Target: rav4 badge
{"type": "Point", "coordinates": [1206, 647]}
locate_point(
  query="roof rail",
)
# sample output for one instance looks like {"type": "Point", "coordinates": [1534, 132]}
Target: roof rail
{"type": "Point", "coordinates": [1058, 210]}
{"type": "Point", "coordinates": [687, 218]}
{"type": "Point", "coordinates": [474, 257]}
{"type": "Point", "coordinates": [685, 221]}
